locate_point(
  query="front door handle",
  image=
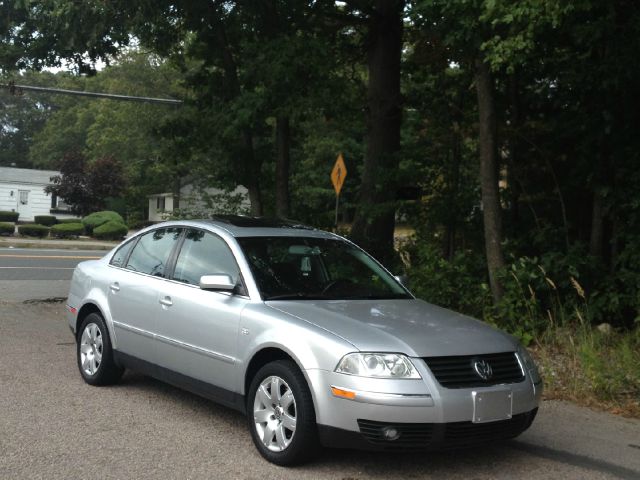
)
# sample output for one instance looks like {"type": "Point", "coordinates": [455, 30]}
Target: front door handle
{"type": "Point", "coordinates": [115, 287]}
{"type": "Point", "coordinates": [166, 302]}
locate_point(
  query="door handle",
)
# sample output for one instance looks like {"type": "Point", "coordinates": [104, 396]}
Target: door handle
{"type": "Point", "coordinates": [115, 287]}
{"type": "Point", "coordinates": [166, 302]}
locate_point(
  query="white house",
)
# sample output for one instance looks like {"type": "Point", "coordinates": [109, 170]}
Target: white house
{"type": "Point", "coordinates": [200, 201]}
{"type": "Point", "coordinates": [22, 191]}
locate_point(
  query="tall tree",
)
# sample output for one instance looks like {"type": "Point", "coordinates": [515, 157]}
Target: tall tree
{"type": "Point", "coordinates": [489, 165]}
{"type": "Point", "coordinates": [373, 226]}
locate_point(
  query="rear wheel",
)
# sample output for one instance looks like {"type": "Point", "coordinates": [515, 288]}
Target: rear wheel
{"type": "Point", "coordinates": [94, 352]}
{"type": "Point", "coordinates": [280, 414]}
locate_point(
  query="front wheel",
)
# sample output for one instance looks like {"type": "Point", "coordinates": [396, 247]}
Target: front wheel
{"type": "Point", "coordinates": [281, 415]}
{"type": "Point", "coordinates": [94, 352]}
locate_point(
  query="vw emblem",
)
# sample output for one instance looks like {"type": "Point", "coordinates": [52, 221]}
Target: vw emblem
{"type": "Point", "coordinates": [483, 369]}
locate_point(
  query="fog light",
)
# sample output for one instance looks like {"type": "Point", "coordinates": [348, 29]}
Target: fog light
{"type": "Point", "coordinates": [390, 433]}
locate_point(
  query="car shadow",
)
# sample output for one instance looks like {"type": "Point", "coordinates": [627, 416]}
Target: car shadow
{"type": "Point", "coordinates": [386, 464]}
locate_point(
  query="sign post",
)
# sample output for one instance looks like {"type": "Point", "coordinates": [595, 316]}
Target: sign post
{"type": "Point", "coordinates": [338, 174]}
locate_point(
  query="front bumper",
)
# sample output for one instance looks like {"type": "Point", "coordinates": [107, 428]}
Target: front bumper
{"type": "Point", "coordinates": [425, 436]}
{"type": "Point", "coordinates": [421, 410]}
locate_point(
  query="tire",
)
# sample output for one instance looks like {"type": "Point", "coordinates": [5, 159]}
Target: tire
{"type": "Point", "coordinates": [94, 352]}
{"type": "Point", "coordinates": [271, 417]}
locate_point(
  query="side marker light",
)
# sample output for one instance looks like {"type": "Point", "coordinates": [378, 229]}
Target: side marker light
{"type": "Point", "coordinates": [339, 392]}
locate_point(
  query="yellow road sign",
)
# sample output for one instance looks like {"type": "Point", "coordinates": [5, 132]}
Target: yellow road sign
{"type": "Point", "coordinates": [338, 174]}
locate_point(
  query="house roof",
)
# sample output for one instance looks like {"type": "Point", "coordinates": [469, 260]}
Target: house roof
{"type": "Point", "coordinates": [26, 175]}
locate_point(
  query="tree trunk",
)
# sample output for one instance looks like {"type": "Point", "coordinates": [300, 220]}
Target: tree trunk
{"type": "Point", "coordinates": [514, 147]}
{"type": "Point", "coordinates": [449, 245]}
{"type": "Point", "coordinates": [603, 177]}
{"type": "Point", "coordinates": [250, 175]}
{"type": "Point", "coordinates": [283, 159]}
{"type": "Point", "coordinates": [374, 222]}
{"type": "Point", "coordinates": [250, 165]}
{"type": "Point", "coordinates": [176, 190]}
{"type": "Point", "coordinates": [491, 210]}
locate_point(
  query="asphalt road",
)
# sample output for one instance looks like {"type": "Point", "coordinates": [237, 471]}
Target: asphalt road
{"type": "Point", "coordinates": [53, 425]}
{"type": "Point", "coordinates": [33, 264]}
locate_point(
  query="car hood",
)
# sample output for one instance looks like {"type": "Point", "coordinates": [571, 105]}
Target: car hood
{"type": "Point", "coordinates": [410, 326]}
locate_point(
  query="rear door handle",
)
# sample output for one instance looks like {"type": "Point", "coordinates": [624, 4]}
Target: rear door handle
{"type": "Point", "coordinates": [115, 287]}
{"type": "Point", "coordinates": [166, 302]}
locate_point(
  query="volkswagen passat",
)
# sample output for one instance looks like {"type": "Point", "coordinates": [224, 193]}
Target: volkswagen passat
{"type": "Point", "coordinates": [304, 332]}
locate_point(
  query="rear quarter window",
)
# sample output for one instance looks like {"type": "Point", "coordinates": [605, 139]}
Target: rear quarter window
{"type": "Point", "coordinates": [120, 257]}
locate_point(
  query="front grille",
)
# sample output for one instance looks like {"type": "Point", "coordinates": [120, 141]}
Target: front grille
{"type": "Point", "coordinates": [459, 371]}
{"type": "Point", "coordinates": [432, 436]}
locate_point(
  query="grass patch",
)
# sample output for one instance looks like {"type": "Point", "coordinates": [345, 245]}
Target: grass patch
{"type": "Point", "coordinates": [592, 368]}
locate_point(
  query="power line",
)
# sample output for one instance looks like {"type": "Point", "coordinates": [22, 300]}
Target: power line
{"type": "Point", "coordinates": [17, 89]}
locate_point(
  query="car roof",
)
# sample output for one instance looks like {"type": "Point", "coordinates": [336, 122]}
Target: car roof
{"type": "Point", "coordinates": [246, 226]}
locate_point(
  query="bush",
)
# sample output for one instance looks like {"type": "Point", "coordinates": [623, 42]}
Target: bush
{"type": "Point", "coordinates": [456, 284]}
{"type": "Point", "coordinates": [46, 220]}
{"type": "Point", "coordinates": [69, 220]}
{"type": "Point", "coordinates": [111, 230]}
{"type": "Point", "coordinates": [33, 230]}
{"type": "Point", "coordinates": [100, 218]}
{"type": "Point", "coordinates": [7, 228]}
{"type": "Point", "coordinates": [67, 230]}
{"type": "Point", "coordinates": [9, 216]}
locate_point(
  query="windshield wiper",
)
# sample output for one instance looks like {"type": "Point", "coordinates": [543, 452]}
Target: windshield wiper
{"type": "Point", "coordinates": [298, 296]}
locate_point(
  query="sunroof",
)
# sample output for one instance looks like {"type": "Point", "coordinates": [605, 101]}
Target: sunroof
{"type": "Point", "coordinates": [258, 222]}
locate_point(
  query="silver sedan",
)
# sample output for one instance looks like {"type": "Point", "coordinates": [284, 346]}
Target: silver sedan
{"type": "Point", "coordinates": [304, 332]}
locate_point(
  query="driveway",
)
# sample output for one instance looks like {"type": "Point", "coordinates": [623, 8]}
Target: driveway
{"type": "Point", "coordinates": [53, 425]}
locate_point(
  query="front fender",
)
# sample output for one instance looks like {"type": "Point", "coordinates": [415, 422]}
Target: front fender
{"type": "Point", "coordinates": [309, 346]}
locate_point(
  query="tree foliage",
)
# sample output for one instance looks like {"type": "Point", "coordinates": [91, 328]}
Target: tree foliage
{"type": "Point", "coordinates": [513, 144]}
{"type": "Point", "coordinates": [87, 188]}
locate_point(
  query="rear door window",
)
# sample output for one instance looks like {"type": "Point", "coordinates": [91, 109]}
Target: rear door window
{"type": "Point", "coordinates": [153, 251]}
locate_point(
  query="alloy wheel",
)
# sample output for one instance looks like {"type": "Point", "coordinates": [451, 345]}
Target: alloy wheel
{"type": "Point", "coordinates": [91, 349]}
{"type": "Point", "coordinates": [274, 413]}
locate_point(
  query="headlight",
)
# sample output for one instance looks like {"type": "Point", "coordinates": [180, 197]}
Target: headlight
{"type": "Point", "coordinates": [529, 364]}
{"type": "Point", "coordinates": [379, 365]}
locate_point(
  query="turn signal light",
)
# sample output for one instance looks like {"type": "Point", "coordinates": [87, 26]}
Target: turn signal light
{"type": "Point", "coordinates": [339, 392]}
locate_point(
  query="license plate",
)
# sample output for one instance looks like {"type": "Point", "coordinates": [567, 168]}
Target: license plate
{"type": "Point", "coordinates": [492, 405]}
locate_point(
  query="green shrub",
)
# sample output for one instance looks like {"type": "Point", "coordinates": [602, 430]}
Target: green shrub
{"type": "Point", "coordinates": [100, 218]}
{"type": "Point", "coordinates": [33, 230]}
{"type": "Point", "coordinates": [9, 216]}
{"type": "Point", "coordinates": [7, 228]}
{"type": "Point", "coordinates": [46, 220]}
{"type": "Point", "coordinates": [69, 220]}
{"type": "Point", "coordinates": [111, 230]}
{"type": "Point", "coordinates": [67, 230]}
{"type": "Point", "coordinates": [456, 284]}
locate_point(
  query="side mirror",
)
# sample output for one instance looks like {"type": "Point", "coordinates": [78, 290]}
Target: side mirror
{"type": "Point", "coordinates": [217, 282]}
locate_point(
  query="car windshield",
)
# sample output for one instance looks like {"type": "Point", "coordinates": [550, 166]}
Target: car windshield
{"type": "Point", "coordinates": [307, 268]}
